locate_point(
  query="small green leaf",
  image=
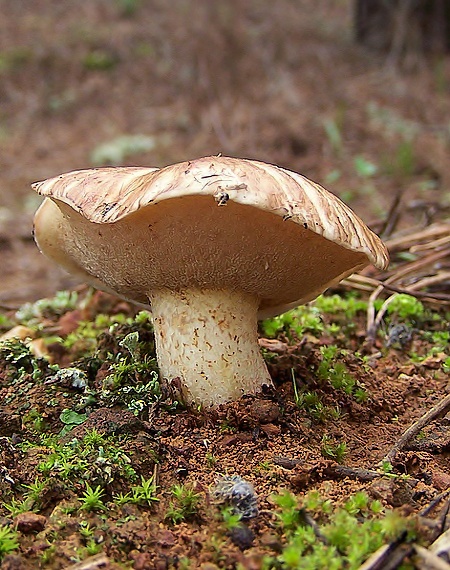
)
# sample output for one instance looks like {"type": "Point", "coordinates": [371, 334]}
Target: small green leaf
{"type": "Point", "coordinates": [364, 168]}
{"type": "Point", "coordinates": [72, 418]}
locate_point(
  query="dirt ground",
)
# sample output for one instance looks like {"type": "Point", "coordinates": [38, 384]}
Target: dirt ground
{"type": "Point", "coordinates": [141, 83]}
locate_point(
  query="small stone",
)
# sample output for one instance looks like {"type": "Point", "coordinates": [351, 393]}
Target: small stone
{"type": "Point", "coordinates": [271, 430]}
{"type": "Point", "coordinates": [242, 537]}
{"type": "Point", "coordinates": [9, 424]}
{"type": "Point", "coordinates": [142, 560]}
{"type": "Point", "coordinates": [382, 489]}
{"type": "Point", "coordinates": [272, 541]}
{"type": "Point", "coordinates": [233, 439]}
{"type": "Point", "coordinates": [238, 493]}
{"type": "Point", "coordinates": [301, 478]}
{"type": "Point", "coordinates": [402, 494]}
{"type": "Point", "coordinates": [30, 522]}
{"type": "Point", "coordinates": [109, 422]}
{"type": "Point", "coordinates": [252, 562]}
{"type": "Point", "coordinates": [160, 564]}
{"type": "Point", "coordinates": [19, 331]}
{"type": "Point", "coordinates": [69, 322]}
{"type": "Point", "coordinates": [166, 538]}
{"type": "Point", "coordinates": [14, 562]}
{"type": "Point", "coordinates": [264, 411]}
{"type": "Point", "coordinates": [441, 480]}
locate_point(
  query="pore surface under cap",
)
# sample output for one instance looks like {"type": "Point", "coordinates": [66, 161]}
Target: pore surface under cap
{"type": "Point", "coordinates": [277, 235]}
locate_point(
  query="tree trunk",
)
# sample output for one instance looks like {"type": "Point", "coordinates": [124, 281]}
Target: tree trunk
{"type": "Point", "coordinates": [403, 26]}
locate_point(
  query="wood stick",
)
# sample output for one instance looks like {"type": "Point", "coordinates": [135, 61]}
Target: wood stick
{"type": "Point", "coordinates": [439, 410]}
{"type": "Point", "coordinates": [430, 560]}
{"type": "Point", "coordinates": [442, 297]}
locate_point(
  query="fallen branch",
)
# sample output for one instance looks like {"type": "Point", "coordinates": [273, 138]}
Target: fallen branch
{"type": "Point", "coordinates": [96, 562]}
{"type": "Point", "coordinates": [425, 295]}
{"type": "Point", "coordinates": [426, 510]}
{"type": "Point", "coordinates": [336, 471]}
{"type": "Point", "coordinates": [388, 556]}
{"type": "Point", "coordinates": [430, 560]}
{"type": "Point", "coordinates": [437, 411]}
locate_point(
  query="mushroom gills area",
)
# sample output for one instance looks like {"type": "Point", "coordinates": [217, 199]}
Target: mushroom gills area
{"type": "Point", "coordinates": [208, 340]}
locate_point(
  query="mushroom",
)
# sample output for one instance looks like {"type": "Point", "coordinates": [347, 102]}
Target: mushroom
{"type": "Point", "coordinates": [210, 246]}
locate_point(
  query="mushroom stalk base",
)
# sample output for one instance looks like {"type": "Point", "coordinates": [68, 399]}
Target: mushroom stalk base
{"type": "Point", "coordinates": [208, 341]}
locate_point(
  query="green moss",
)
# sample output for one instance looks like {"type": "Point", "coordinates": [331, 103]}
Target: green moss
{"type": "Point", "coordinates": [96, 458]}
{"type": "Point", "coordinates": [332, 449]}
{"type": "Point", "coordinates": [8, 541]}
{"type": "Point", "coordinates": [184, 504]}
{"type": "Point", "coordinates": [31, 314]}
{"type": "Point", "coordinates": [296, 323]}
{"type": "Point", "coordinates": [84, 340]}
{"type": "Point", "coordinates": [329, 314]}
{"type": "Point", "coordinates": [405, 307]}
{"type": "Point", "coordinates": [343, 536]}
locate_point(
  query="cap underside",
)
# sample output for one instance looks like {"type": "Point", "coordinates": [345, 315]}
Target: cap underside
{"type": "Point", "coordinates": [192, 242]}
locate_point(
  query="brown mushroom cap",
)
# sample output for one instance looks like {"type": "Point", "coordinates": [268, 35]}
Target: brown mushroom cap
{"type": "Point", "coordinates": [211, 223]}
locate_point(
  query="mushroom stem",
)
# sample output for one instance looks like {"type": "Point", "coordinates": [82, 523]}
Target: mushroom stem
{"type": "Point", "coordinates": [208, 340]}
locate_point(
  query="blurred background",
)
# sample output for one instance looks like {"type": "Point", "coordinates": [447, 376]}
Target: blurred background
{"type": "Point", "coordinates": [353, 94]}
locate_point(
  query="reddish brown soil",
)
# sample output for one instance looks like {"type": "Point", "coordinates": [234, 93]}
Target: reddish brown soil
{"type": "Point", "coordinates": [267, 440]}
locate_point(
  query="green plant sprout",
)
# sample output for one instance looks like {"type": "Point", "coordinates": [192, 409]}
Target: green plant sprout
{"type": "Point", "coordinates": [20, 360]}
{"type": "Point", "coordinates": [99, 60]}
{"type": "Point", "coordinates": [333, 130]}
{"type": "Point", "coordinates": [347, 306]}
{"type": "Point", "coordinates": [231, 519]}
{"type": "Point", "coordinates": [330, 449]}
{"type": "Point", "coordinates": [143, 494]}
{"type": "Point", "coordinates": [70, 419]}
{"type": "Point", "coordinates": [95, 457]}
{"type": "Point", "coordinates": [85, 530]}
{"type": "Point", "coordinates": [184, 505]}
{"type": "Point", "coordinates": [405, 307]}
{"type": "Point", "coordinates": [133, 378]}
{"type": "Point", "coordinates": [47, 556]}
{"type": "Point", "coordinates": [16, 507]}
{"type": "Point", "coordinates": [364, 168]}
{"type": "Point", "coordinates": [31, 500]}
{"type": "Point", "coordinates": [34, 420]}
{"type": "Point", "coordinates": [211, 459]}
{"type": "Point", "coordinates": [344, 536]}
{"type": "Point", "coordinates": [336, 373]}
{"type": "Point", "coordinates": [93, 547]}
{"type": "Point", "coordinates": [336, 310]}
{"type": "Point", "coordinates": [402, 162]}
{"type": "Point", "coordinates": [297, 322]}
{"type": "Point", "coordinates": [8, 541]}
{"type": "Point", "coordinates": [31, 314]}
{"type": "Point", "coordinates": [83, 341]}
{"type": "Point", "coordinates": [91, 499]}
{"type": "Point", "coordinates": [310, 402]}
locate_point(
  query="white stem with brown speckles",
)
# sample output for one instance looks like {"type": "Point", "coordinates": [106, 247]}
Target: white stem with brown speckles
{"type": "Point", "coordinates": [208, 339]}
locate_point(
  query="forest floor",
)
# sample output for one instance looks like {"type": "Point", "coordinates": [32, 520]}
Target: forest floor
{"type": "Point", "coordinates": [102, 468]}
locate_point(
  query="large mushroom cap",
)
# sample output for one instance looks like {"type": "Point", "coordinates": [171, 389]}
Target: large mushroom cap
{"type": "Point", "coordinates": [213, 223]}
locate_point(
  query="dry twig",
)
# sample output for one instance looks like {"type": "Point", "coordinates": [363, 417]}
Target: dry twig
{"type": "Point", "coordinates": [439, 410]}
{"type": "Point", "coordinates": [388, 556]}
{"type": "Point", "coordinates": [430, 560]}
{"type": "Point", "coordinates": [96, 562]}
{"type": "Point", "coordinates": [431, 505]}
{"type": "Point", "coordinates": [421, 268]}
